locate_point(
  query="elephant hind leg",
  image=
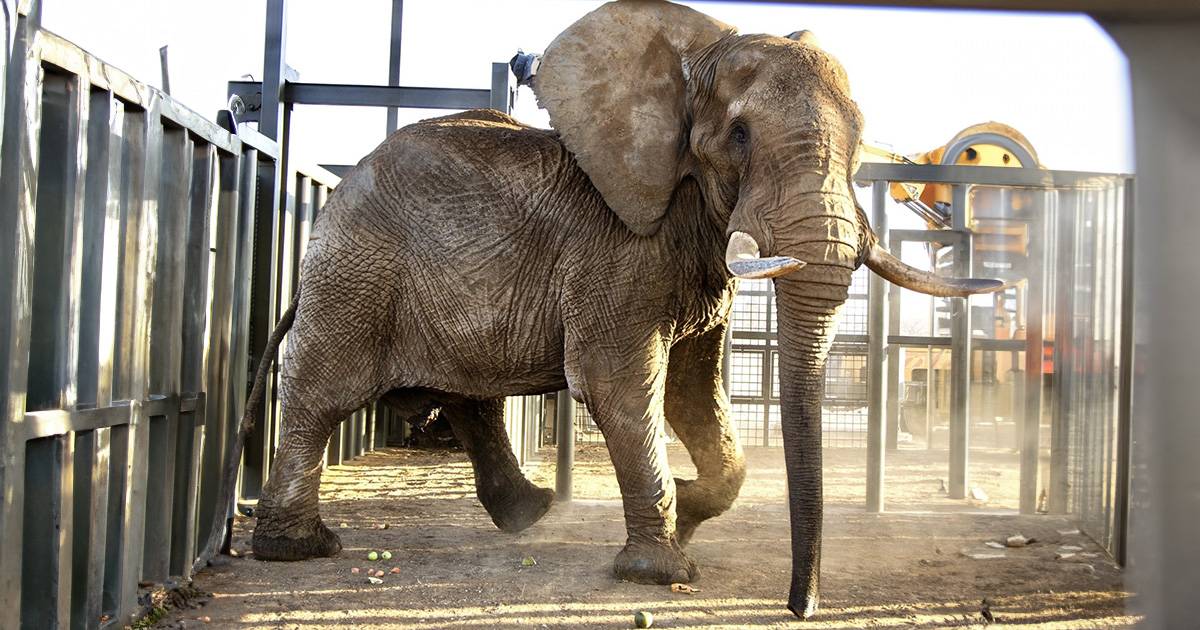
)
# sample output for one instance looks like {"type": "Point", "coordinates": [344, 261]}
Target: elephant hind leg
{"type": "Point", "coordinates": [289, 524]}
{"type": "Point", "coordinates": [509, 498]}
{"type": "Point", "coordinates": [320, 384]}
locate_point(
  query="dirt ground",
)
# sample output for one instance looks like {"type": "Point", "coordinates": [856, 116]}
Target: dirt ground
{"type": "Point", "coordinates": [903, 568]}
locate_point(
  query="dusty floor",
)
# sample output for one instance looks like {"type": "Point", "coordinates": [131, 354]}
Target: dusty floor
{"type": "Point", "coordinates": [904, 568]}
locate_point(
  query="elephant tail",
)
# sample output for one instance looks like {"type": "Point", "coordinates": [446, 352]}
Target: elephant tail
{"type": "Point", "coordinates": [233, 458]}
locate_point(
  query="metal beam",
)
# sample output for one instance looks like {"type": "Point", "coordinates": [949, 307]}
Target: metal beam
{"type": "Point", "coordinates": [385, 96]}
{"type": "Point", "coordinates": [983, 175]}
{"type": "Point", "coordinates": [1116, 10]}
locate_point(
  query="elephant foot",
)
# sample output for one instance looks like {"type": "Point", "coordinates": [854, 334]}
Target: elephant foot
{"type": "Point", "coordinates": [513, 516]}
{"type": "Point", "coordinates": [697, 504]}
{"type": "Point", "coordinates": [803, 606]}
{"type": "Point", "coordinates": [654, 564]}
{"type": "Point", "coordinates": [321, 544]}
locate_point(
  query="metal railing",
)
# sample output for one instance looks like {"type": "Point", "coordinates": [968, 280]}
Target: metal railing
{"type": "Point", "coordinates": [146, 256]}
{"type": "Point", "coordinates": [1071, 280]}
{"type": "Point", "coordinates": [138, 240]}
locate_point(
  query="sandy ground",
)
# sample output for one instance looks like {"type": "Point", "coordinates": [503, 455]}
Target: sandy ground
{"type": "Point", "coordinates": [903, 568]}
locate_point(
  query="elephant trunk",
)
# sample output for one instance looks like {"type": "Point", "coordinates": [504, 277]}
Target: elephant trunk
{"type": "Point", "coordinates": [806, 329]}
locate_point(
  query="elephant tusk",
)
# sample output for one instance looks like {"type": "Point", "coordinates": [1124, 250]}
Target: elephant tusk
{"type": "Point", "coordinates": [896, 271]}
{"type": "Point", "coordinates": [743, 260]}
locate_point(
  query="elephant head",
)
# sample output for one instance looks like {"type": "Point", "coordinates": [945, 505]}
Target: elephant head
{"type": "Point", "coordinates": [647, 94]}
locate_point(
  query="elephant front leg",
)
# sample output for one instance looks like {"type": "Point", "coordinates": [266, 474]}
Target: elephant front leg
{"type": "Point", "coordinates": [698, 411]}
{"type": "Point", "coordinates": [626, 404]}
{"type": "Point", "coordinates": [509, 498]}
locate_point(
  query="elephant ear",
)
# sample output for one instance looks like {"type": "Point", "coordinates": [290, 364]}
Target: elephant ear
{"type": "Point", "coordinates": [614, 86]}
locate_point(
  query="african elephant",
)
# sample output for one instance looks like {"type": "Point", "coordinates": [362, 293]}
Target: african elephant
{"type": "Point", "coordinates": [471, 257]}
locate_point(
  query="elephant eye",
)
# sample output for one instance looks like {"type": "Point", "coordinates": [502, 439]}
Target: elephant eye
{"type": "Point", "coordinates": [739, 134]}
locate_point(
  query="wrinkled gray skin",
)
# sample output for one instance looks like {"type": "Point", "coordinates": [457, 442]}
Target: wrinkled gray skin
{"type": "Point", "coordinates": [471, 257]}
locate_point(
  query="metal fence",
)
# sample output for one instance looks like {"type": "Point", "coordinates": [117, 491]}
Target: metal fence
{"type": "Point", "coordinates": [144, 258]}
{"type": "Point", "coordinates": [1048, 359]}
{"type": "Point", "coordinates": [146, 255]}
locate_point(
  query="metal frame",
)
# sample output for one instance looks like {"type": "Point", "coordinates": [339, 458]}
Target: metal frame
{"type": "Point", "coordinates": [1028, 397]}
{"type": "Point", "coordinates": [125, 294]}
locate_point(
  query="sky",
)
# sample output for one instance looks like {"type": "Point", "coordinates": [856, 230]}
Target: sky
{"type": "Point", "coordinates": [919, 76]}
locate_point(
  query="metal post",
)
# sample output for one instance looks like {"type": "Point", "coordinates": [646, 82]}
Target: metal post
{"type": "Point", "coordinates": [272, 124]}
{"type": "Point", "coordinates": [565, 439]}
{"type": "Point", "coordinates": [501, 99]}
{"type": "Point", "coordinates": [394, 60]}
{"type": "Point", "coordinates": [1125, 376]}
{"type": "Point", "coordinates": [18, 192]}
{"type": "Point", "coordinates": [930, 407]}
{"type": "Point", "coordinates": [877, 357]}
{"type": "Point", "coordinates": [893, 362]}
{"type": "Point", "coordinates": [960, 353]}
{"type": "Point", "coordinates": [1064, 333]}
{"type": "Point", "coordinates": [1031, 421]}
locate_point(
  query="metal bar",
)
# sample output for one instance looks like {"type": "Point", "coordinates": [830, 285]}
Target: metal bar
{"type": "Point", "coordinates": [109, 175]}
{"type": "Point", "coordinates": [394, 50]}
{"type": "Point", "coordinates": [46, 576]}
{"type": "Point", "coordinates": [877, 359]}
{"type": "Point", "coordinates": [220, 358]}
{"type": "Point", "coordinates": [274, 66]}
{"type": "Point", "coordinates": [382, 416]}
{"type": "Point", "coordinates": [265, 148]}
{"type": "Point", "coordinates": [1005, 345]}
{"type": "Point", "coordinates": [40, 424]}
{"type": "Point", "coordinates": [263, 295]}
{"type": "Point", "coordinates": [1064, 354]}
{"type": "Point", "coordinates": [91, 518]}
{"type": "Point", "coordinates": [187, 481]}
{"type": "Point", "coordinates": [945, 237]}
{"type": "Point", "coordinates": [1034, 347]}
{"type": "Point", "coordinates": [984, 175]}
{"type": "Point", "coordinates": [894, 366]}
{"type": "Point", "coordinates": [124, 564]}
{"type": "Point", "coordinates": [146, 156]}
{"type": "Point", "coordinates": [173, 186]}
{"type": "Point", "coordinates": [237, 388]}
{"type": "Point", "coordinates": [91, 290]}
{"type": "Point", "coordinates": [564, 420]}
{"type": "Point", "coordinates": [960, 355]}
{"type": "Point", "coordinates": [273, 189]}
{"type": "Point", "coordinates": [501, 94]}
{"type": "Point", "coordinates": [18, 191]}
{"type": "Point", "coordinates": [201, 211]}
{"type": "Point", "coordinates": [1125, 378]}
{"type": "Point", "coordinates": [333, 452]}
{"type": "Point", "coordinates": [383, 96]}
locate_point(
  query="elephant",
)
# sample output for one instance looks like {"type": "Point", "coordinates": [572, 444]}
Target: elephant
{"type": "Point", "coordinates": [472, 257]}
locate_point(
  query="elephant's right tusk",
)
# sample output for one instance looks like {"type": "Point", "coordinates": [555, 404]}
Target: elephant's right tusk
{"type": "Point", "coordinates": [743, 260]}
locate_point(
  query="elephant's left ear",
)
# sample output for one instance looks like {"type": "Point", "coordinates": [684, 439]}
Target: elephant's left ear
{"type": "Point", "coordinates": [614, 85]}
